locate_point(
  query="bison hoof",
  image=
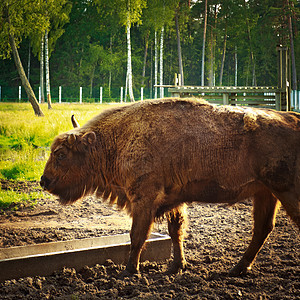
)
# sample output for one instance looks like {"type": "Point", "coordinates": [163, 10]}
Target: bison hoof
{"type": "Point", "coordinates": [126, 273]}
{"type": "Point", "coordinates": [176, 267]}
{"type": "Point", "coordinates": [129, 271]}
{"type": "Point", "coordinates": [240, 269]}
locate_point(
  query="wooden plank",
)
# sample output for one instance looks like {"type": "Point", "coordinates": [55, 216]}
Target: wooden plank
{"type": "Point", "coordinates": [254, 102]}
{"type": "Point", "coordinates": [252, 97]}
{"type": "Point", "coordinates": [44, 259]}
{"type": "Point", "coordinates": [206, 89]}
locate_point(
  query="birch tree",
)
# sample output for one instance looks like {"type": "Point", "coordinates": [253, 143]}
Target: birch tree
{"type": "Point", "coordinates": [291, 38]}
{"type": "Point", "coordinates": [158, 16]}
{"type": "Point", "coordinates": [252, 58]}
{"type": "Point", "coordinates": [180, 65]}
{"type": "Point", "coordinates": [129, 64]}
{"type": "Point", "coordinates": [42, 69]}
{"type": "Point", "coordinates": [155, 64]}
{"type": "Point", "coordinates": [15, 25]}
{"type": "Point", "coordinates": [29, 62]}
{"type": "Point", "coordinates": [145, 57]}
{"type": "Point", "coordinates": [161, 65]}
{"type": "Point", "coordinates": [47, 70]}
{"type": "Point", "coordinates": [57, 14]}
{"type": "Point", "coordinates": [129, 13]}
{"type": "Point", "coordinates": [223, 54]}
{"type": "Point", "coordinates": [203, 44]}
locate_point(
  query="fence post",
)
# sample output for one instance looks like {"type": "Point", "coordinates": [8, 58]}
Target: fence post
{"type": "Point", "coordinates": [101, 95]}
{"type": "Point", "coordinates": [59, 94]}
{"type": "Point", "coordinates": [40, 95]}
{"type": "Point", "coordinates": [142, 93]}
{"type": "Point", "coordinates": [121, 96]}
{"type": "Point", "coordinates": [80, 95]}
{"type": "Point", "coordinates": [277, 101]}
{"type": "Point", "coordinates": [161, 92]}
{"type": "Point", "coordinates": [20, 93]}
{"type": "Point", "coordinates": [225, 98]}
{"type": "Point", "coordinates": [0, 92]}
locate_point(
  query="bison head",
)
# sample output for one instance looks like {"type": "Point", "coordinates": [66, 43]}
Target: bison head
{"type": "Point", "coordinates": [67, 173]}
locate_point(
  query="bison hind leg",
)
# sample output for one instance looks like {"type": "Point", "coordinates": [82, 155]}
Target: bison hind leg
{"type": "Point", "coordinates": [264, 214]}
{"type": "Point", "coordinates": [291, 203]}
{"type": "Point", "coordinates": [176, 226]}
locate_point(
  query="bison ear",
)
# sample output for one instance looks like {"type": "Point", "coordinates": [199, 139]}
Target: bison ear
{"type": "Point", "coordinates": [71, 139]}
{"type": "Point", "coordinates": [89, 138]}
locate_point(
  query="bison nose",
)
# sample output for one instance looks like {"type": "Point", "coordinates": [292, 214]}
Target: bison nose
{"type": "Point", "coordinates": [44, 182]}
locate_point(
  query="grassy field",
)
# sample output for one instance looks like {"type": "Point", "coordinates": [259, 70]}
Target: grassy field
{"type": "Point", "coordinates": [25, 139]}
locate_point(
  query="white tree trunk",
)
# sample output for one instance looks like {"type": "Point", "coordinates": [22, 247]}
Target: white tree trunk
{"type": "Point", "coordinates": [42, 70]}
{"type": "Point", "coordinates": [126, 88]}
{"type": "Point", "coordinates": [293, 60]}
{"type": "Point", "coordinates": [110, 73]}
{"type": "Point", "coordinates": [155, 64]}
{"type": "Point", "coordinates": [145, 58]}
{"type": "Point", "coordinates": [180, 65]}
{"type": "Point", "coordinates": [203, 46]}
{"type": "Point", "coordinates": [151, 72]}
{"type": "Point", "coordinates": [161, 72]}
{"type": "Point", "coordinates": [235, 67]}
{"type": "Point", "coordinates": [29, 62]}
{"type": "Point", "coordinates": [129, 66]}
{"type": "Point", "coordinates": [47, 71]}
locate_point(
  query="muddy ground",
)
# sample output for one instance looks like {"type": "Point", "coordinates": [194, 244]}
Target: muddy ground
{"type": "Point", "coordinates": [216, 238]}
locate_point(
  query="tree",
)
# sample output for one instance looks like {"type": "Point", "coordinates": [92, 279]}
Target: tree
{"type": "Point", "coordinates": [159, 17]}
{"type": "Point", "coordinates": [129, 12]}
{"type": "Point", "coordinates": [161, 74]}
{"type": "Point", "coordinates": [129, 65]}
{"type": "Point", "coordinates": [155, 64]}
{"type": "Point", "coordinates": [223, 55]}
{"type": "Point", "coordinates": [57, 14]}
{"type": "Point", "coordinates": [290, 7]}
{"type": "Point", "coordinates": [42, 69]}
{"type": "Point", "coordinates": [47, 70]}
{"type": "Point", "coordinates": [203, 43]}
{"type": "Point", "coordinates": [15, 24]}
{"type": "Point", "coordinates": [180, 65]}
{"type": "Point", "coordinates": [74, 60]}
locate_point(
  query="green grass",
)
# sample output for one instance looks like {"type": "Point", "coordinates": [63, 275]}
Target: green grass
{"type": "Point", "coordinates": [25, 139]}
{"type": "Point", "coordinates": [12, 199]}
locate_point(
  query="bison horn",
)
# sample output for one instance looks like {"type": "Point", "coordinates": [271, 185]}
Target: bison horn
{"type": "Point", "coordinates": [71, 139]}
{"type": "Point", "coordinates": [74, 122]}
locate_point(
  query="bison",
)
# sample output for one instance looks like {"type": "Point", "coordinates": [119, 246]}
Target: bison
{"type": "Point", "coordinates": [152, 157]}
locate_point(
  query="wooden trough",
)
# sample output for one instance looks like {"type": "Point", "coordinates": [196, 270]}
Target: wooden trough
{"type": "Point", "coordinates": [44, 259]}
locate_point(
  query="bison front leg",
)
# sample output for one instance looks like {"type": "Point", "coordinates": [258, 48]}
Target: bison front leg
{"type": "Point", "coordinates": [264, 213]}
{"type": "Point", "coordinates": [142, 220]}
{"type": "Point", "coordinates": [176, 221]}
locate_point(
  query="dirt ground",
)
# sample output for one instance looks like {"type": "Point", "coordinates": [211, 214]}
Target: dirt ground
{"type": "Point", "coordinates": [216, 238]}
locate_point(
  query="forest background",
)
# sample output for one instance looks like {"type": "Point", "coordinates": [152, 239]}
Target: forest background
{"type": "Point", "coordinates": [209, 42]}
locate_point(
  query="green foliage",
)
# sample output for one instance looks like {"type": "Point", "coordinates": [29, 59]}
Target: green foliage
{"type": "Point", "coordinates": [92, 49]}
{"type": "Point", "coordinates": [20, 18]}
{"type": "Point", "coordinates": [12, 199]}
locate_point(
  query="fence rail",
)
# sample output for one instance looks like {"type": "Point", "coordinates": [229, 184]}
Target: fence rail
{"type": "Point", "coordinates": [80, 94]}
{"type": "Point", "coordinates": [101, 94]}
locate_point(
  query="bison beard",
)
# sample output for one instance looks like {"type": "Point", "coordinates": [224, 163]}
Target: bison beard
{"type": "Point", "coordinates": [152, 157]}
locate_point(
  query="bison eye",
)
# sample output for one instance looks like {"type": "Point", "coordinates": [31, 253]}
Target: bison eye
{"type": "Point", "coordinates": [61, 156]}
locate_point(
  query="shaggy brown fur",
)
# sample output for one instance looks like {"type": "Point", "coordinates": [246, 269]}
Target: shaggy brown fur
{"type": "Point", "coordinates": [152, 157]}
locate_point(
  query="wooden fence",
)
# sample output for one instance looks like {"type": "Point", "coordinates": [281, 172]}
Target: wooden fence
{"type": "Point", "coordinates": [263, 96]}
